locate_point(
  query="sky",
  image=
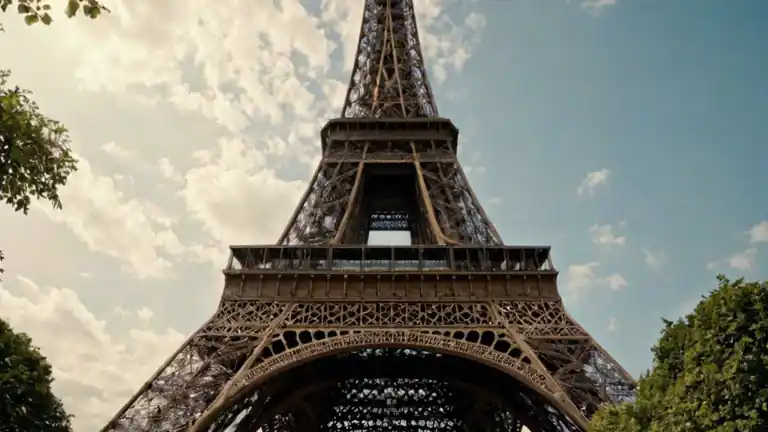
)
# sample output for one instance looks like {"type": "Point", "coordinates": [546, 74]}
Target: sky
{"type": "Point", "coordinates": [628, 135]}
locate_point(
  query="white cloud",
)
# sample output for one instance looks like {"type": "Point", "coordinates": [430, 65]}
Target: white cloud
{"type": "Point", "coordinates": [654, 259]}
{"type": "Point", "coordinates": [112, 148]}
{"type": "Point", "coordinates": [217, 114]}
{"type": "Point", "coordinates": [121, 312]}
{"type": "Point", "coordinates": [132, 231]}
{"type": "Point", "coordinates": [615, 282]}
{"type": "Point", "coordinates": [744, 260]}
{"type": "Point", "coordinates": [597, 6]}
{"type": "Point", "coordinates": [603, 235]}
{"type": "Point", "coordinates": [581, 278]}
{"type": "Point", "coordinates": [578, 278]}
{"type": "Point", "coordinates": [144, 314]}
{"type": "Point", "coordinates": [759, 232]}
{"type": "Point", "coordinates": [612, 324]}
{"type": "Point", "coordinates": [95, 369]}
{"type": "Point", "coordinates": [592, 181]}
{"type": "Point", "coordinates": [168, 170]}
{"type": "Point", "coordinates": [238, 197]}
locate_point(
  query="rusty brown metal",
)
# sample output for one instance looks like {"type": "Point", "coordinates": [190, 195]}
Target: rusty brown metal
{"type": "Point", "coordinates": [322, 332]}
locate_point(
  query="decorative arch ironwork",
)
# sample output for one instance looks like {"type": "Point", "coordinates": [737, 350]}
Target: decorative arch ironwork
{"type": "Point", "coordinates": [492, 347]}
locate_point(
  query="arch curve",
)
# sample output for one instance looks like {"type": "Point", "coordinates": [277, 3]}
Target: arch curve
{"type": "Point", "coordinates": [438, 341]}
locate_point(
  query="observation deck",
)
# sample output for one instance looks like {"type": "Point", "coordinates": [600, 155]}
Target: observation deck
{"type": "Point", "coordinates": [390, 273]}
{"type": "Point", "coordinates": [433, 137]}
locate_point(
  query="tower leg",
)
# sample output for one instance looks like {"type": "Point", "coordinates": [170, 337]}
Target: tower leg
{"type": "Point", "coordinates": [197, 373]}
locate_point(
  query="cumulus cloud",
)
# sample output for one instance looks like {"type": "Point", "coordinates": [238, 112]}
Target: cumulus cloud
{"type": "Point", "coordinates": [654, 259]}
{"type": "Point", "coordinates": [238, 197]}
{"type": "Point", "coordinates": [597, 6]}
{"type": "Point", "coordinates": [603, 235]}
{"type": "Point", "coordinates": [592, 181]}
{"type": "Point", "coordinates": [212, 116]}
{"type": "Point", "coordinates": [758, 233]}
{"type": "Point", "coordinates": [112, 148]}
{"type": "Point", "coordinates": [96, 369]}
{"type": "Point", "coordinates": [744, 260]}
{"type": "Point", "coordinates": [130, 230]}
{"type": "Point", "coordinates": [581, 278]}
{"type": "Point", "coordinates": [145, 314]}
{"type": "Point", "coordinates": [615, 282]}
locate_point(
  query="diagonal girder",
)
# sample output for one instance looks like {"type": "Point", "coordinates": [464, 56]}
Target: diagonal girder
{"type": "Point", "coordinates": [210, 378]}
{"type": "Point", "coordinates": [388, 78]}
{"type": "Point", "coordinates": [460, 214]}
{"type": "Point", "coordinates": [304, 341]}
{"type": "Point", "coordinates": [322, 208]}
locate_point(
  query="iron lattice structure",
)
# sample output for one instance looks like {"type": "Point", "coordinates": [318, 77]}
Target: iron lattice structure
{"type": "Point", "coordinates": [321, 332]}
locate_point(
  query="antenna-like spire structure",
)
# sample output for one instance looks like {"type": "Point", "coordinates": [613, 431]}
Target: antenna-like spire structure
{"type": "Point", "coordinates": [388, 78]}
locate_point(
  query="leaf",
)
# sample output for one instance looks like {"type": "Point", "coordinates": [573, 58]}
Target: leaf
{"type": "Point", "coordinates": [710, 369]}
{"type": "Point", "coordinates": [72, 7]}
{"type": "Point", "coordinates": [31, 19]}
{"type": "Point", "coordinates": [23, 8]}
{"type": "Point", "coordinates": [46, 19]}
{"type": "Point", "coordinates": [33, 407]}
{"type": "Point", "coordinates": [17, 155]}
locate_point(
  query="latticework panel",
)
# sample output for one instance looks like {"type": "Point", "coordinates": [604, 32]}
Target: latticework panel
{"type": "Point", "coordinates": [388, 77]}
{"type": "Point", "coordinates": [389, 314]}
{"type": "Point", "coordinates": [444, 204]}
{"type": "Point", "coordinates": [322, 208]}
{"type": "Point", "coordinates": [458, 210]}
{"type": "Point", "coordinates": [248, 345]}
{"type": "Point", "coordinates": [349, 363]}
{"type": "Point", "coordinates": [248, 342]}
{"type": "Point", "coordinates": [589, 376]}
{"type": "Point", "coordinates": [180, 391]}
{"type": "Point", "coordinates": [192, 378]}
{"type": "Point", "coordinates": [393, 390]}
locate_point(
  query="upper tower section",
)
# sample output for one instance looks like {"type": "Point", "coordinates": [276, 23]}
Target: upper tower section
{"type": "Point", "coordinates": [389, 79]}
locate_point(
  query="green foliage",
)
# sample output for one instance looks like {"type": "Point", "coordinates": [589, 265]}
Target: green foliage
{"type": "Point", "coordinates": [35, 11]}
{"type": "Point", "coordinates": [710, 369]}
{"type": "Point", "coordinates": [35, 158]}
{"type": "Point", "coordinates": [26, 401]}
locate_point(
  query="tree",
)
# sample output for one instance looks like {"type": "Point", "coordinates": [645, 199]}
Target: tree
{"type": "Point", "coordinates": [26, 401]}
{"type": "Point", "coordinates": [710, 369]}
{"type": "Point", "coordinates": [35, 11]}
{"type": "Point", "coordinates": [35, 157]}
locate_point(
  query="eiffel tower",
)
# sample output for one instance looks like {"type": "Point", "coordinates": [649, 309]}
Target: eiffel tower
{"type": "Point", "coordinates": [322, 332]}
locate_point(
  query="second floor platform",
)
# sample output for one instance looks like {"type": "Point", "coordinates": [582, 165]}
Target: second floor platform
{"type": "Point", "coordinates": [326, 259]}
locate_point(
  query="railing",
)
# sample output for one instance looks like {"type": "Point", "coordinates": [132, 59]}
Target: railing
{"type": "Point", "coordinates": [501, 259]}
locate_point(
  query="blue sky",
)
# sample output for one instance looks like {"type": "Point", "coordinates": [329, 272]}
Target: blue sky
{"type": "Point", "coordinates": [671, 98]}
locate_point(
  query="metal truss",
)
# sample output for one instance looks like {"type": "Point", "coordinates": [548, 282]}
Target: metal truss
{"type": "Point", "coordinates": [228, 371]}
{"type": "Point", "coordinates": [425, 183]}
{"type": "Point", "coordinates": [321, 333]}
{"type": "Point", "coordinates": [389, 79]}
